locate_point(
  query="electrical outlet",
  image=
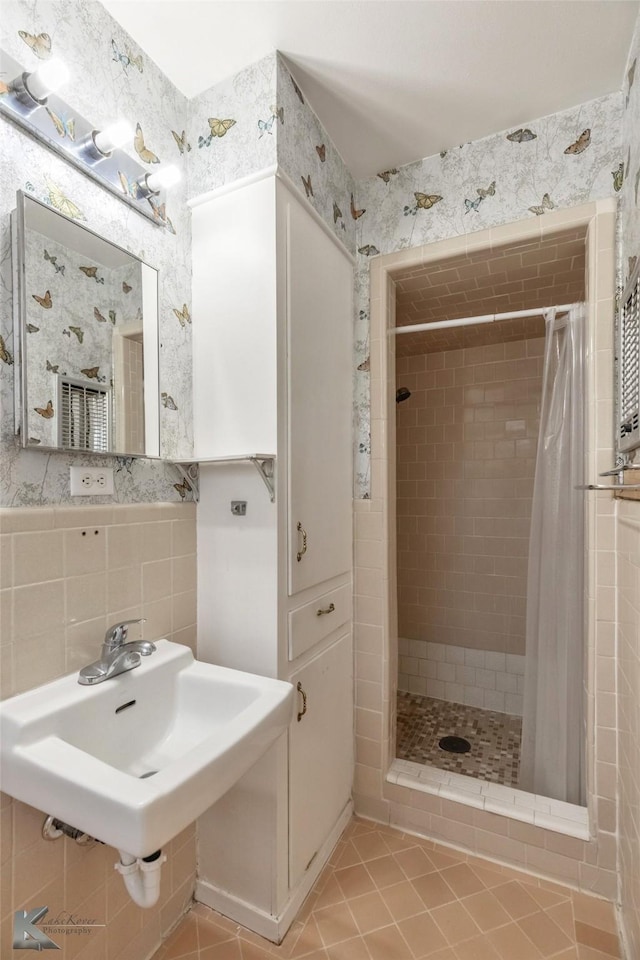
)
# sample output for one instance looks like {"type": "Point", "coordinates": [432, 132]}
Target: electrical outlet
{"type": "Point", "coordinates": [91, 481]}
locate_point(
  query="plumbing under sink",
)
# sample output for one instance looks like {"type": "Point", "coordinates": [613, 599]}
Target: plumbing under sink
{"type": "Point", "coordinates": [133, 761]}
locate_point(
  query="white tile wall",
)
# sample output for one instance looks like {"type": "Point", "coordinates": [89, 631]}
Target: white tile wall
{"type": "Point", "coordinates": [477, 678]}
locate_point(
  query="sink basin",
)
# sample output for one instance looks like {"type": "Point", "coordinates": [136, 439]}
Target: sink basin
{"type": "Point", "coordinates": [133, 760]}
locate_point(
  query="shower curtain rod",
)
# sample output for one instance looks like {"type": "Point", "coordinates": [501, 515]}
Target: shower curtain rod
{"type": "Point", "coordinates": [468, 321]}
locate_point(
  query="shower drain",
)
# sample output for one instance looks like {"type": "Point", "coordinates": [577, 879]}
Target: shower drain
{"type": "Point", "coordinates": [454, 744]}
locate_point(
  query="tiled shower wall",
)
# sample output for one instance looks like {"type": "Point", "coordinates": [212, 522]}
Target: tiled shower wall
{"type": "Point", "coordinates": [66, 574]}
{"type": "Point", "coordinates": [466, 448]}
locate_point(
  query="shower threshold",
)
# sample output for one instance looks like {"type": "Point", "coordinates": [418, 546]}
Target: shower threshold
{"type": "Point", "coordinates": [504, 800]}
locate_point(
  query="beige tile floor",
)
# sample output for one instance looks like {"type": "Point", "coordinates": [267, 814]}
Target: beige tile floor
{"type": "Point", "coordinates": [386, 895]}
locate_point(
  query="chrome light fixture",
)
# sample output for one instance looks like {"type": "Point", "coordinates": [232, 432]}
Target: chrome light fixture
{"type": "Point", "coordinates": [31, 90]}
{"type": "Point", "coordinates": [32, 104]}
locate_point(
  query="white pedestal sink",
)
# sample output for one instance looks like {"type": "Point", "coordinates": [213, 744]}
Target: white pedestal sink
{"type": "Point", "coordinates": [133, 760]}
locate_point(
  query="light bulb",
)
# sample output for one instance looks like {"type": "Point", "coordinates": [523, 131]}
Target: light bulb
{"type": "Point", "coordinates": [47, 78]}
{"type": "Point", "coordinates": [115, 135]}
{"type": "Point", "coordinates": [164, 178]}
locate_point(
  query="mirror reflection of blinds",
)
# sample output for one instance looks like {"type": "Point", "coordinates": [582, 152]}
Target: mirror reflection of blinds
{"type": "Point", "coordinates": [84, 415]}
{"type": "Point", "coordinates": [629, 365]}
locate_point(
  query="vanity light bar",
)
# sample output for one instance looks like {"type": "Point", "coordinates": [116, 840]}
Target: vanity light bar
{"type": "Point", "coordinates": [32, 105]}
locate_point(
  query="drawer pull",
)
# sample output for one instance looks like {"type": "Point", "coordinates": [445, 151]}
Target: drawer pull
{"type": "Point", "coordinates": [330, 609]}
{"type": "Point", "coordinates": [304, 701]}
{"type": "Point", "coordinates": [300, 554]}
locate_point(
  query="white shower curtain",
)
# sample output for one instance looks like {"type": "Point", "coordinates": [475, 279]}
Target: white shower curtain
{"type": "Point", "coordinates": [553, 733]}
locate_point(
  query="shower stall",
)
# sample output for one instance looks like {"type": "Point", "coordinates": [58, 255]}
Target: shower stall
{"type": "Point", "coordinates": [489, 521]}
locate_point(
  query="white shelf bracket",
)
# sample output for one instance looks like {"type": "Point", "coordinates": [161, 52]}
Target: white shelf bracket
{"type": "Point", "coordinates": [264, 466]}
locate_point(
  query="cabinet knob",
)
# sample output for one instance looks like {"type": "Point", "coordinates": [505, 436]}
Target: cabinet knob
{"type": "Point", "coordinates": [300, 554]}
{"type": "Point", "coordinates": [304, 701]}
{"type": "Point", "coordinates": [329, 609]}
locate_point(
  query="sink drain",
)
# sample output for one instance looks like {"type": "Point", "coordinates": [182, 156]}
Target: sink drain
{"type": "Point", "coordinates": [454, 745]}
{"type": "Point", "coordinates": [144, 776]}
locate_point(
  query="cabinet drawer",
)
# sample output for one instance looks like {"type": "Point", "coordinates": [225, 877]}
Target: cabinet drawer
{"type": "Point", "coordinates": [313, 621]}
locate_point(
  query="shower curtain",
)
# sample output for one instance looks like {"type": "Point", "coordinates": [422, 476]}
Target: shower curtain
{"type": "Point", "coordinates": [553, 731]}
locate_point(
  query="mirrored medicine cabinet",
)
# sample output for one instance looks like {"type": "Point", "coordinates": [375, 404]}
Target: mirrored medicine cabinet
{"type": "Point", "coordinates": [87, 315]}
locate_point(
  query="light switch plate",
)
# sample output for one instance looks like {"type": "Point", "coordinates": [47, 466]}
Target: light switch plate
{"type": "Point", "coordinates": [91, 481]}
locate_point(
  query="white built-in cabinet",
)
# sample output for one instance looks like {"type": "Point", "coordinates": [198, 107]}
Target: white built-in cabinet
{"type": "Point", "coordinates": [272, 341]}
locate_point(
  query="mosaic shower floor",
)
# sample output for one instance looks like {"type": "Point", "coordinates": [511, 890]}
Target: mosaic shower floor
{"type": "Point", "coordinates": [494, 738]}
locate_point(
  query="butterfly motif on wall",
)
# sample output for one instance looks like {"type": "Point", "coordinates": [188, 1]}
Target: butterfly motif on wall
{"type": "Point", "coordinates": [368, 250]}
{"type": "Point", "coordinates": [365, 366]}
{"type": "Point", "coordinates": [126, 59]}
{"type": "Point", "coordinates": [146, 155]}
{"type": "Point", "coordinates": [473, 204]}
{"type": "Point", "coordinates": [181, 141]}
{"type": "Point", "coordinates": [308, 188]}
{"type": "Point", "coordinates": [40, 43]}
{"type": "Point", "coordinates": [31, 328]}
{"type": "Point", "coordinates": [356, 214]}
{"type": "Point", "coordinates": [322, 152]}
{"type": "Point", "coordinates": [92, 274]}
{"type": "Point", "coordinates": [99, 316]}
{"type": "Point", "coordinates": [183, 488]}
{"type": "Point", "coordinates": [489, 192]}
{"type": "Point", "coordinates": [217, 128]}
{"type": "Point", "coordinates": [126, 288]}
{"type": "Point", "coordinates": [168, 401]}
{"type": "Point", "coordinates": [522, 135]}
{"type": "Point", "coordinates": [581, 143]}
{"type": "Point", "coordinates": [264, 126]}
{"type": "Point", "coordinates": [5, 356]}
{"type": "Point", "coordinates": [91, 373]}
{"type": "Point", "coordinates": [183, 315]}
{"type": "Point", "coordinates": [52, 367]}
{"type": "Point", "coordinates": [45, 302]}
{"type": "Point", "coordinates": [130, 186]}
{"type": "Point", "coordinates": [337, 212]}
{"type": "Point", "coordinates": [58, 267]}
{"type": "Point", "coordinates": [65, 127]}
{"type": "Point", "coordinates": [159, 209]}
{"type": "Point", "coordinates": [78, 331]}
{"type": "Point", "coordinates": [112, 317]}
{"type": "Point", "coordinates": [547, 204]}
{"type": "Point", "coordinates": [61, 202]}
{"type": "Point", "coordinates": [297, 89]}
{"type": "Point", "coordinates": [46, 412]}
{"type": "Point", "coordinates": [278, 112]}
{"type": "Point", "coordinates": [618, 177]}
{"type": "Point", "coordinates": [424, 201]}
{"type": "Point", "coordinates": [387, 174]}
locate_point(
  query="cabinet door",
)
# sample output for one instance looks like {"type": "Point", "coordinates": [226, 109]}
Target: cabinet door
{"type": "Point", "coordinates": [319, 332]}
{"type": "Point", "coordinates": [320, 753]}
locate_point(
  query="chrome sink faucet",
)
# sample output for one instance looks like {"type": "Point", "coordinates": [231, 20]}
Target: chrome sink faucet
{"type": "Point", "coordinates": [117, 656]}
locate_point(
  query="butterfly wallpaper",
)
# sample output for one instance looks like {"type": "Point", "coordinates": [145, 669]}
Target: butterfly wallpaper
{"type": "Point", "coordinates": [223, 128]}
{"type": "Point", "coordinates": [528, 170]}
{"type": "Point", "coordinates": [118, 80]}
{"type": "Point", "coordinates": [554, 162]}
{"type": "Point", "coordinates": [628, 179]}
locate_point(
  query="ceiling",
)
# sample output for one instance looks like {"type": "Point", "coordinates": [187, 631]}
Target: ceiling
{"type": "Point", "coordinates": [397, 80]}
{"type": "Point", "coordinates": [532, 273]}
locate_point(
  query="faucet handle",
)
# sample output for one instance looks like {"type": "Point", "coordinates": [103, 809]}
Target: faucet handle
{"type": "Point", "coordinates": [116, 635]}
